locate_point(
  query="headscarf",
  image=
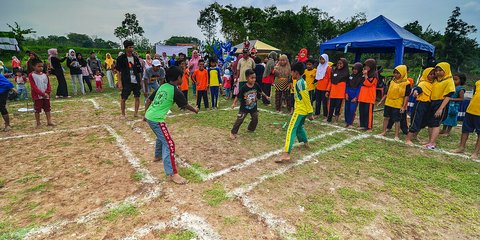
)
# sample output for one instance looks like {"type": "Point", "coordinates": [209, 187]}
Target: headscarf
{"type": "Point", "coordinates": [148, 59]}
{"type": "Point", "coordinates": [108, 60]}
{"type": "Point", "coordinates": [356, 80]}
{"type": "Point", "coordinates": [372, 64]}
{"type": "Point", "coordinates": [446, 68]}
{"type": "Point", "coordinates": [341, 75]}
{"type": "Point", "coordinates": [322, 68]}
{"type": "Point", "coordinates": [283, 71]}
{"type": "Point", "coordinates": [425, 73]}
{"type": "Point", "coordinates": [305, 55]}
{"type": "Point", "coordinates": [402, 69]}
{"type": "Point", "coordinates": [69, 54]}
{"type": "Point", "coordinates": [194, 60]}
{"type": "Point", "coordinates": [52, 52]}
{"type": "Point", "coordinates": [272, 56]}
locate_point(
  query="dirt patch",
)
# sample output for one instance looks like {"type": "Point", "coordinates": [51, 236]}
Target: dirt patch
{"type": "Point", "coordinates": [61, 176]}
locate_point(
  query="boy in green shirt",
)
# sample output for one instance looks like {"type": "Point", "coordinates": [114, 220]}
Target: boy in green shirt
{"type": "Point", "coordinates": [157, 107]}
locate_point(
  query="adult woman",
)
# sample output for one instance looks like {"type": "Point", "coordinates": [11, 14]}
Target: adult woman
{"type": "Point", "coordinates": [192, 66]}
{"type": "Point", "coordinates": [57, 70]}
{"type": "Point", "coordinates": [109, 66]}
{"type": "Point", "coordinates": [5, 87]}
{"type": "Point", "coordinates": [75, 71]}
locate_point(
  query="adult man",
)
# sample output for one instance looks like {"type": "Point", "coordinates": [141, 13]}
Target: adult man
{"type": "Point", "coordinates": [94, 63]}
{"type": "Point", "coordinates": [243, 64]}
{"type": "Point", "coordinates": [154, 76]}
{"type": "Point", "coordinates": [129, 80]}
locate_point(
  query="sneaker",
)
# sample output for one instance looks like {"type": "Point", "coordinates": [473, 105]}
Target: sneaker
{"type": "Point", "coordinates": [430, 146]}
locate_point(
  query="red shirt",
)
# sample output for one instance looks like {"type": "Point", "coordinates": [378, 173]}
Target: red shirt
{"type": "Point", "coordinates": [200, 77]}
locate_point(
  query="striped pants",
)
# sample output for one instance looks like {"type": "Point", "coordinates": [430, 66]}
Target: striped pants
{"type": "Point", "coordinates": [164, 146]}
{"type": "Point", "coordinates": [295, 128]}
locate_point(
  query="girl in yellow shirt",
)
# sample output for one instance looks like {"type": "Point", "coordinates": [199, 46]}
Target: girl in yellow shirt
{"type": "Point", "coordinates": [471, 122]}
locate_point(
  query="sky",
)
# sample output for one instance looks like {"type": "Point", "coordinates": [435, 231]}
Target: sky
{"type": "Point", "coordinates": [162, 19]}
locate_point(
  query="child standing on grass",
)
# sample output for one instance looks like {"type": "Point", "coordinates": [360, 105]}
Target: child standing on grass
{"type": "Point", "coordinates": [420, 110]}
{"type": "Point", "coordinates": [310, 74]}
{"type": "Point", "coordinates": [351, 94]}
{"type": "Point", "coordinates": [98, 81]}
{"type": "Point", "coordinates": [185, 79]}
{"type": "Point", "coordinates": [451, 121]}
{"type": "Point", "coordinates": [396, 99]}
{"type": "Point", "coordinates": [248, 96]}
{"type": "Point", "coordinates": [214, 81]}
{"type": "Point", "coordinates": [41, 89]}
{"type": "Point", "coordinates": [471, 123]}
{"type": "Point", "coordinates": [157, 107]}
{"type": "Point", "coordinates": [21, 82]}
{"type": "Point", "coordinates": [367, 94]}
{"type": "Point", "coordinates": [442, 90]}
{"type": "Point", "coordinates": [200, 78]}
{"type": "Point", "coordinates": [322, 78]}
{"type": "Point", "coordinates": [303, 110]}
{"type": "Point", "coordinates": [336, 89]}
{"type": "Point", "coordinates": [282, 82]}
{"type": "Point", "coordinates": [227, 83]}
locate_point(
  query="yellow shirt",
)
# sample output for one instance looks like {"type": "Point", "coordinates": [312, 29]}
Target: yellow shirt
{"type": "Point", "coordinates": [292, 90]}
{"type": "Point", "coordinates": [309, 78]}
{"type": "Point", "coordinates": [426, 87]}
{"type": "Point", "coordinates": [303, 106]}
{"type": "Point", "coordinates": [441, 89]}
{"type": "Point", "coordinates": [396, 93]}
{"type": "Point", "coordinates": [213, 77]}
{"type": "Point", "coordinates": [474, 106]}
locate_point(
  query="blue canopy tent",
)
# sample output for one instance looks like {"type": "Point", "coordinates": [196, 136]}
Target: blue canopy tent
{"type": "Point", "coordinates": [380, 35]}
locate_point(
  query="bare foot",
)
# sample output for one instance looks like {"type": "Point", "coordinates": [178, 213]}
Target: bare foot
{"type": "Point", "coordinates": [233, 136]}
{"type": "Point", "coordinates": [396, 138]}
{"type": "Point", "coordinates": [7, 128]}
{"type": "Point", "coordinates": [474, 156]}
{"type": "Point", "coordinates": [444, 134]}
{"type": "Point", "coordinates": [410, 143]}
{"type": "Point", "coordinates": [38, 126]}
{"type": "Point", "coordinates": [123, 117]}
{"type": "Point", "coordinates": [459, 150]}
{"type": "Point", "coordinates": [284, 158]}
{"type": "Point", "coordinates": [157, 159]}
{"type": "Point", "coordinates": [306, 145]}
{"type": "Point", "coordinates": [349, 126]}
{"type": "Point", "coordinates": [178, 179]}
{"type": "Point", "coordinates": [51, 125]}
{"type": "Point", "coordinates": [368, 130]}
{"type": "Point", "coordinates": [382, 134]}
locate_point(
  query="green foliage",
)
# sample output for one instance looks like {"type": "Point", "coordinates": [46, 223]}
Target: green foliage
{"type": "Point", "coordinates": [173, 40]}
{"type": "Point", "coordinates": [138, 176]}
{"type": "Point", "coordinates": [72, 40]}
{"type": "Point", "coordinates": [19, 32]}
{"type": "Point", "coordinates": [130, 27]}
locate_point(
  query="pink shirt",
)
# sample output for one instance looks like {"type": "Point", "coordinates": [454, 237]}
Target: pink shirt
{"type": "Point", "coordinates": [98, 78]}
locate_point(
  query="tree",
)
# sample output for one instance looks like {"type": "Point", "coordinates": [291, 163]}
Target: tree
{"type": "Point", "coordinates": [415, 28]}
{"type": "Point", "coordinates": [208, 21]}
{"type": "Point", "coordinates": [141, 42]}
{"type": "Point", "coordinates": [20, 32]}
{"type": "Point", "coordinates": [172, 41]}
{"type": "Point", "coordinates": [79, 39]}
{"type": "Point", "coordinates": [130, 27]}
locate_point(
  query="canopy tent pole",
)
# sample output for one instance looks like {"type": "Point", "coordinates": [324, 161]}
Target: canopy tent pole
{"type": "Point", "coordinates": [399, 51]}
{"type": "Point", "coordinates": [358, 56]}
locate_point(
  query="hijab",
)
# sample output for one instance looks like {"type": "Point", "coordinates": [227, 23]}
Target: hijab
{"type": "Point", "coordinates": [283, 71]}
{"type": "Point", "coordinates": [52, 52]}
{"type": "Point", "coordinates": [446, 68]}
{"type": "Point", "coordinates": [69, 54]}
{"type": "Point", "coordinates": [108, 59]}
{"type": "Point", "coordinates": [342, 74]}
{"type": "Point", "coordinates": [372, 64]}
{"type": "Point", "coordinates": [305, 55]}
{"type": "Point", "coordinates": [425, 73]}
{"type": "Point", "coordinates": [402, 69]}
{"type": "Point", "coordinates": [356, 80]}
{"type": "Point", "coordinates": [272, 56]}
{"type": "Point", "coordinates": [322, 68]}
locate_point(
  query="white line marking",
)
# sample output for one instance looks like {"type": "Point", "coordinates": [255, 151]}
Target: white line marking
{"type": "Point", "coordinates": [93, 101]}
{"type": "Point", "coordinates": [148, 178]}
{"type": "Point", "coordinates": [50, 132]}
{"type": "Point", "coordinates": [267, 155]}
{"type": "Point", "coordinates": [137, 200]}
{"type": "Point", "coordinates": [187, 221]}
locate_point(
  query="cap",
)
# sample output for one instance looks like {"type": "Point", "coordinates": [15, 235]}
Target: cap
{"type": "Point", "coordinates": [156, 63]}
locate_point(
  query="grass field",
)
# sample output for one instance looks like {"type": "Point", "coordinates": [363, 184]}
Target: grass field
{"type": "Point", "coordinates": [92, 177]}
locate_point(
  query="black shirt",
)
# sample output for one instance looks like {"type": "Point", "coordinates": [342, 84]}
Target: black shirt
{"type": "Point", "coordinates": [248, 97]}
{"type": "Point", "coordinates": [124, 68]}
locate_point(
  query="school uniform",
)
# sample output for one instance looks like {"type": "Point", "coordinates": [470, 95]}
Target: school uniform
{"type": "Point", "coordinates": [421, 107]}
{"type": "Point", "coordinates": [323, 78]}
{"type": "Point", "coordinates": [441, 88]}
{"type": "Point", "coordinates": [366, 101]}
{"type": "Point", "coordinates": [471, 122]}
{"type": "Point", "coordinates": [397, 91]}
{"type": "Point", "coordinates": [337, 89]}
{"type": "Point", "coordinates": [310, 79]}
{"type": "Point", "coordinates": [351, 93]}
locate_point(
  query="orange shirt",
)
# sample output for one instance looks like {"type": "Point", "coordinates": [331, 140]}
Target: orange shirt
{"type": "Point", "coordinates": [322, 84]}
{"type": "Point", "coordinates": [201, 79]}
{"type": "Point", "coordinates": [411, 81]}
{"type": "Point", "coordinates": [337, 90]}
{"type": "Point", "coordinates": [368, 91]}
{"type": "Point", "coordinates": [185, 77]}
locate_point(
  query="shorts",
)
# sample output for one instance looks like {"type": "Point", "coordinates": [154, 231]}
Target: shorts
{"type": "Point", "coordinates": [431, 120]}
{"type": "Point", "coordinates": [131, 87]}
{"type": "Point", "coordinates": [40, 104]}
{"type": "Point", "coordinates": [419, 116]}
{"type": "Point", "coordinates": [392, 113]}
{"type": "Point", "coordinates": [471, 123]}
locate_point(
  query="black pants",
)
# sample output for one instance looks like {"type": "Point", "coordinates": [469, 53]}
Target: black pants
{"type": "Point", "coordinates": [311, 94]}
{"type": "Point", "coordinates": [321, 100]}
{"type": "Point", "coordinates": [86, 79]}
{"type": "Point", "coordinates": [3, 103]}
{"type": "Point", "coordinates": [185, 93]}
{"type": "Point", "coordinates": [366, 115]}
{"type": "Point", "coordinates": [335, 106]}
{"type": "Point", "coordinates": [241, 117]}
{"type": "Point", "coordinates": [267, 89]}
{"type": "Point", "coordinates": [403, 123]}
{"type": "Point", "coordinates": [202, 94]}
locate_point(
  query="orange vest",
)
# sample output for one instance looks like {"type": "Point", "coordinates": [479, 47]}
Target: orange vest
{"type": "Point", "coordinates": [368, 91]}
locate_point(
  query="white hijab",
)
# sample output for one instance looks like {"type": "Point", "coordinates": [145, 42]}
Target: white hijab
{"type": "Point", "coordinates": [70, 54]}
{"type": "Point", "coordinates": [322, 68]}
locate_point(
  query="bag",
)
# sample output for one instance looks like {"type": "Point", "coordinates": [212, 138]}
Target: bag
{"type": "Point", "coordinates": [12, 95]}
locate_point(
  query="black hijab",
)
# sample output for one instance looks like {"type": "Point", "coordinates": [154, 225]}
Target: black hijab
{"type": "Point", "coordinates": [356, 79]}
{"type": "Point", "coordinates": [342, 74]}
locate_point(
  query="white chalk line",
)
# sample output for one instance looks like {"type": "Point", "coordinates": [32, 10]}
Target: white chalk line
{"type": "Point", "coordinates": [278, 224]}
{"type": "Point", "coordinates": [93, 101]}
{"type": "Point", "coordinates": [265, 156]}
{"type": "Point", "coordinates": [186, 221]}
{"type": "Point", "coordinates": [50, 132]}
{"type": "Point", "coordinates": [137, 200]}
{"type": "Point", "coordinates": [148, 178]}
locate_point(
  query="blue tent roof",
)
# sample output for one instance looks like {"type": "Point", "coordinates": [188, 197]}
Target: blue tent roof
{"type": "Point", "coordinates": [380, 35]}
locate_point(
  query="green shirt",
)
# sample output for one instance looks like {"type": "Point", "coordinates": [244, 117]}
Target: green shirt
{"type": "Point", "coordinates": [162, 100]}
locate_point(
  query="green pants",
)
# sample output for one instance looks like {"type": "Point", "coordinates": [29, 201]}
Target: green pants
{"type": "Point", "coordinates": [295, 128]}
